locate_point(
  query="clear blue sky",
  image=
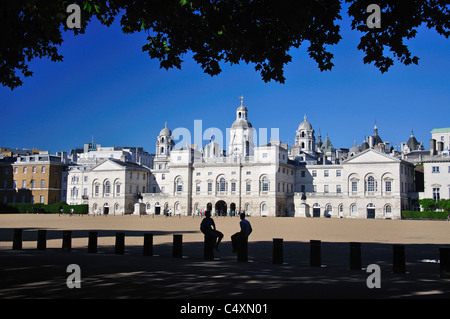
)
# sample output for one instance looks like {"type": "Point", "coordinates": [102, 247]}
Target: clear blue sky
{"type": "Point", "coordinates": [108, 89]}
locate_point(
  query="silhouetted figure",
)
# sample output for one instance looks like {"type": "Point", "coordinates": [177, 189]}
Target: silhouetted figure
{"type": "Point", "coordinates": [242, 236]}
{"type": "Point", "coordinates": [208, 228]}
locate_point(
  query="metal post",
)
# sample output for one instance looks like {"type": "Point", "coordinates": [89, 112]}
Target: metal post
{"type": "Point", "coordinates": [42, 239]}
{"type": "Point", "coordinates": [315, 253]}
{"type": "Point", "coordinates": [277, 254]}
{"type": "Point", "coordinates": [148, 244]}
{"type": "Point", "coordinates": [177, 249]}
{"type": "Point", "coordinates": [120, 243]}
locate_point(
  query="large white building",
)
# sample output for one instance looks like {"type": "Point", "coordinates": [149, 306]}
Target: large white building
{"type": "Point", "coordinates": [310, 179]}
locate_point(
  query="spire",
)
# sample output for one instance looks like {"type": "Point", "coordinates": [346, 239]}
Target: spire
{"type": "Point", "coordinates": [242, 100]}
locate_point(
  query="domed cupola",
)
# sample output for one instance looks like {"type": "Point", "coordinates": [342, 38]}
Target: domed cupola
{"type": "Point", "coordinates": [241, 134]}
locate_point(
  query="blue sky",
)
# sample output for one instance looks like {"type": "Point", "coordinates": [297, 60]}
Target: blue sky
{"type": "Point", "coordinates": [109, 90]}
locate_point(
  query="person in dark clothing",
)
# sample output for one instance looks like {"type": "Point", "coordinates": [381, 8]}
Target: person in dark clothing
{"type": "Point", "coordinates": [208, 228]}
{"type": "Point", "coordinates": [246, 230]}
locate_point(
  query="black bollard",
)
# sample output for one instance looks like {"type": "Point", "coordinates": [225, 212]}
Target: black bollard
{"type": "Point", "coordinates": [67, 241]}
{"type": "Point", "coordinates": [242, 250]}
{"type": "Point", "coordinates": [315, 253]}
{"type": "Point", "coordinates": [277, 253]}
{"type": "Point", "coordinates": [177, 249]}
{"type": "Point", "coordinates": [17, 239]}
{"type": "Point", "coordinates": [120, 244]}
{"type": "Point", "coordinates": [148, 244]}
{"type": "Point", "coordinates": [398, 259]}
{"type": "Point", "coordinates": [444, 256]}
{"type": "Point", "coordinates": [92, 243]}
{"type": "Point", "coordinates": [42, 239]}
{"type": "Point", "coordinates": [208, 247]}
{"type": "Point", "coordinates": [355, 256]}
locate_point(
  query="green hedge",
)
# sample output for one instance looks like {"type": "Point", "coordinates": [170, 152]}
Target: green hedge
{"type": "Point", "coordinates": [425, 215]}
{"type": "Point", "coordinates": [28, 208]}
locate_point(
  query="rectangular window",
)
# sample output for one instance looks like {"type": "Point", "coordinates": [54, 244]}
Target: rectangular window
{"type": "Point", "coordinates": [248, 173]}
{"type": "Point", "coordinates": [248, 187]}
{"type": "Point", "coordinates": [24, 184]}
{"type": "Point", "coordinates": [325, 188]}
{"type": "Point", "coordinates": [233, 186]}
{"type": "Point", "coordinates": [118, 189]}
{"type": "Point", "coordinates": [325, 173]}
{"type": "Point", "coordinates": [163, 176]}
{"type": "Point", "coordinates": [34, 169]}
{"type": "Point", "coordinates": [435, 169]}
{"type": "Point", "coordinates": [354, 187]}
{"type": "Point", "coordinates": [388, 186]}
{"type": "Point", "coordinates": [42, 183]}
{"type": "Point", "coordinates": [209, 187]}
{"type": "Point", "coordinates": [314, 173]}
{"type": "Point", "coordinates": [436, 194]}
{"type": "Point", "coordinates": [303, 174]}
{"type": "Point", "coordinates": [43, 170]}
{"type": "Point", "coordinates": [314, 188]}
{"type": "Point", "coordinates": [197, 187]}
{"type": "Point", "coordinates": [302, 188]}
{"type": "Point", "coordinates": [338, 173]}
{"type": "Point", "coordinates": [33, 183]}
{"type": "Point", "coordinates": [41, 199]}
{"type": "Point", "coordinates": [338, 189]}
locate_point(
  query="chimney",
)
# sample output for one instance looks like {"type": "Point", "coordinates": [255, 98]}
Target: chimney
{"type": "Point", "coordinates": [432, 146]}
{"type": "Point", "coordinates": [440, 147]}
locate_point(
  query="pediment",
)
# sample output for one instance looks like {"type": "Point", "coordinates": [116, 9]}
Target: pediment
{"type": "Point", "coordinates": [108, 166]}
{"type": "Point", "coordinates": [371, 156]}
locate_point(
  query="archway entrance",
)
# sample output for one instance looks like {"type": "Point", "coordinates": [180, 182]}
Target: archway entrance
{"type": "Point", "coordinates": [157, 208]}
{"type": "Point", "coordinates": [209, 207]}
{"type": "Point", "coordinates": [233, 209]}
{"type": "Point", "coordinates": [221, 208]}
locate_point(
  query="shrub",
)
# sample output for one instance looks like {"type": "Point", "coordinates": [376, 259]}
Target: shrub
{"type": "Point", "coordinates": [424, 215]}
{"type": "Point", "coordinates": [28, 208]}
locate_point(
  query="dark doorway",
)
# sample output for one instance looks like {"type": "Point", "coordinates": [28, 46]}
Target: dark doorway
{"type": "Point", "coordinates": [371, 213]}
{"type": "Point", "coordinates": [316, 211]}
{"type": "Point", "coordinates": [221, 208]}
{"type": "Point", "coordinates": [106, 209]}
{"type": "Point", "coordinates": [157, 210]}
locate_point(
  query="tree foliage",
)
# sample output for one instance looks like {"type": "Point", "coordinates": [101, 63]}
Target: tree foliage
{"type": "Point", "coordinates": [261, 32]}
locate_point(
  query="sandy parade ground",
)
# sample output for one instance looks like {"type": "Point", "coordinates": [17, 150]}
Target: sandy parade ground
{"type": "Point", "coordinates": [31, 273]}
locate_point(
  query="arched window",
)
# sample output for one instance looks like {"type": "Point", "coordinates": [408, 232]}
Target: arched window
{"type": "Point", "coordinates": [222, 185]}
{"type": "Point", "coordinates": [265, 184]}
{"type": "Point", "coordinates": [388, 209]}
{"type": "Point", "coordinates": [179, 185]}
{"type": "Point", "coordinates": [371, 184]}
{"type": "Point", "coordinates": [107, 188]}
{"type": "Point", "coordinates": [353, 209]}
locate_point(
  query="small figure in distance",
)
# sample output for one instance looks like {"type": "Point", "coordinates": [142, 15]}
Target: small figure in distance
{"type": "Point", "coordinates": [246, 230]}
{"type": "Point", "coordinates": [208, 228]}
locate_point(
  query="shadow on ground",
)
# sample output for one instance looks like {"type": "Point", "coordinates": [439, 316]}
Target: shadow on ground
{"type": "Point", "coordinates": [30, 273]}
